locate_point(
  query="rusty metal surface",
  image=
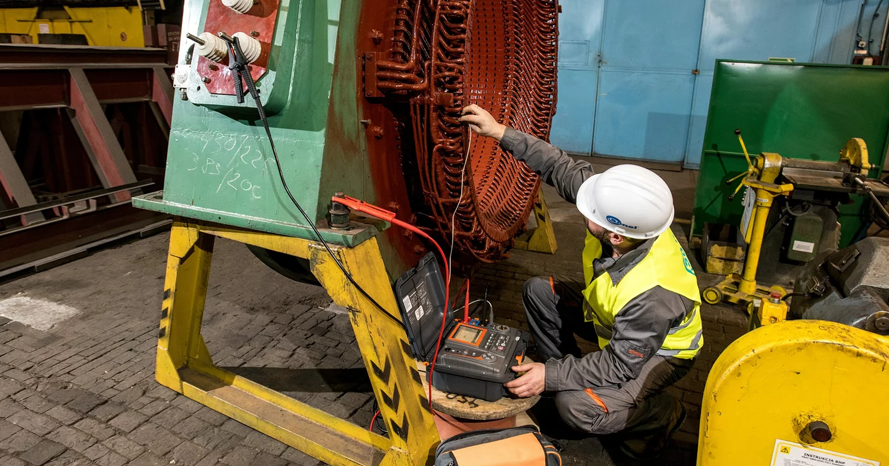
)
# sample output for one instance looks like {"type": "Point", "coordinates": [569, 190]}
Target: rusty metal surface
{"type": "Point", "coordinates": [63, 56]}
{"type": "Point", "coordinates": [66, 109]}
{"type": "Point", "coordinates": [261, 19]}
{"type": "Point", "coordinates": [28, 251]}
{"type": "Point", "coordinates": [37, 76]}
{"type": "Point", "coordinates": [443, 55]}
{"type": "Point", "coordinates": [33, 89]}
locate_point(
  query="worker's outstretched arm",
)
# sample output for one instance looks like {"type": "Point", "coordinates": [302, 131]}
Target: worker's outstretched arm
{"type": "Point", "coordinates": [638, 333]}
{"type": "Point", "coordinates": [553, 165]}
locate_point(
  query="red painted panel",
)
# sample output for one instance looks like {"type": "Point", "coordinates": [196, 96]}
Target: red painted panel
{"type": "Point", "coordinates": [98, 144]}
{"type": "Point", "coordinates": [120, 84]}
{"type": "Point", "coordinates": [33, 88]}
{"type": "Point", "coordinates": [261, 18]}
{"type": "Point", "coordinates": [160, 95]}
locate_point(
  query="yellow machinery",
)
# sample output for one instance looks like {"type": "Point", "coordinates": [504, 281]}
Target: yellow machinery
{"type": "Point", "coordinates": [807, 392]}
{"type": "Point", "coordinates": [185, 365]}
{"type": "Point", "coordinates": [106, 27]}
{"type": "Point", "coordinates": [760, 177]}
{"type": "Point", "coordinates": [768, 177]}
{"type": "Point", "coordinates": [798, 393]}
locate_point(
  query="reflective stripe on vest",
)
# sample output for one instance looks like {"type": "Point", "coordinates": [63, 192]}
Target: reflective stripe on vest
{"type": "Point", "coordinates": [665, 265]}
{"type": "Point", "coordinates": [695, 346]}
{"type": "Point", "coordinates": [688, 321]}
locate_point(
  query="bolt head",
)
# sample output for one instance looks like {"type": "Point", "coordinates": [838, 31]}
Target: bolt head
{"type": "Point", "coordinates": [205, 79]}
{"type": "Point", "coordinates": [819, 431]}
{"type": "Point", "coordinates": [376, 36]}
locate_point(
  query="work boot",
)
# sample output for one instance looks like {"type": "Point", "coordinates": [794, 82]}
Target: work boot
{"type": "Point", "coordinates": [651, 446]}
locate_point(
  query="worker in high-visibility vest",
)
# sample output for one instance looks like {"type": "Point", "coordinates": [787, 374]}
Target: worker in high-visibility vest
{"type": "Point", "coordinates": [639, 300]}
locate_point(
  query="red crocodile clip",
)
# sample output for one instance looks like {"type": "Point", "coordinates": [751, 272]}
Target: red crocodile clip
{"type": "Point", "coordinates": [361, 206]}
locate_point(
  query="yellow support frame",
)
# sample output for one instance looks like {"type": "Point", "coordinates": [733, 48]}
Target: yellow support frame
{"type": "Point", "coordinates": [543, 238]}
{"type": "Point", "coordinates": [184, 363]}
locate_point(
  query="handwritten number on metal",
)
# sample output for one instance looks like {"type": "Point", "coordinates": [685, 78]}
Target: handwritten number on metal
{"type": "Point", "coordinates": [239, 151]}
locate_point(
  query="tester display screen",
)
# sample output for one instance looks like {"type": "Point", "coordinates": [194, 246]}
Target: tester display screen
{"type": "Point", "coordinates": [467, 334]}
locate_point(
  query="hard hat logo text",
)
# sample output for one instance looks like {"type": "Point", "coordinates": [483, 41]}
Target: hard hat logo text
{"type": "Point", "coordinates": [616, 221]}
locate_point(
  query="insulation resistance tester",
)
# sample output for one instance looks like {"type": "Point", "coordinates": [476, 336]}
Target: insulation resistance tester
{"type": "Point", "coordinates": [474, 360]}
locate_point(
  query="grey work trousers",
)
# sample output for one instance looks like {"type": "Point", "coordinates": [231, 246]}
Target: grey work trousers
{"type": "Point", "coordinates": [640, 406]}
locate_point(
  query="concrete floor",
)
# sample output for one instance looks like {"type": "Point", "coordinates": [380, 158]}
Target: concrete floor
{"type": "Point", "coordinates": [82, 391]}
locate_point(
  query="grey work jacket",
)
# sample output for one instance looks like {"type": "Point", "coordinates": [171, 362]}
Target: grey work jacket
{"type": "Point", "coordinates": [641, 325]}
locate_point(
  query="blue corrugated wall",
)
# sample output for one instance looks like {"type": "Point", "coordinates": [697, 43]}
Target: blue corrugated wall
{"type": "Point", "coordinates": [635, 75]}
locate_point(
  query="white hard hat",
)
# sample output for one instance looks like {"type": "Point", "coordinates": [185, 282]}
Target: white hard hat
{"type": "Point", "coordinates": [628, 200]}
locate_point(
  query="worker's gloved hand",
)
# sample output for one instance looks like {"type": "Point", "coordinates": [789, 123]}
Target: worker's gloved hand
{"type": "Point", "coordinates": [531, 383]}
{"type": "Point", "coordinates": [482, 122]}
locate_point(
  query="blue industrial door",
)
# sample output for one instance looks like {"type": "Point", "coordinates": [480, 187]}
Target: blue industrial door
{"type": "Point", "coordinates": [580, 35]}
{"type": "Point", "coordinates": [646, 79]}
{"type": "Point", "coordinates": [635, 75]}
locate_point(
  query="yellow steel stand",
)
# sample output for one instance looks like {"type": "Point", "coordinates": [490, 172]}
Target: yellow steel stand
{"type": "Point", "coordinates": [795, 388]}
{"type": "Point", "coordinates": [185, 365]}
{"type": "Point", "coordinates": [542, 238]}
{"type": "Point", "coordinates": [760, 177]}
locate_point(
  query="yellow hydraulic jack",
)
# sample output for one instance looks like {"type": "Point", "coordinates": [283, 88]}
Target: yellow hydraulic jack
{"type": "Point", "coordinates": [184, 364]}
{"type": "Point", "coordinates": [760, 180]}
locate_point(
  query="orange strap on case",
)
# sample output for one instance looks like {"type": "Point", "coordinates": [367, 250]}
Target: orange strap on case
{"type": "Point", "coordinates": [522, 450]}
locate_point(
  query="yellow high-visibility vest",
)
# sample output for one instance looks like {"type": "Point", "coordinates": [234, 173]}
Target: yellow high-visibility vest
{"type": "Point", "coordinates": [666, 265]}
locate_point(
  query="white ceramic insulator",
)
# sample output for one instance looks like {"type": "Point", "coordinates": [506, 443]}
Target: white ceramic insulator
{"type": "Point", "coordinates": [214, 47]}
{"type": "Point", "coordinates": [241, 6]}
{"type": "Point", "coordinates": [250, 46]}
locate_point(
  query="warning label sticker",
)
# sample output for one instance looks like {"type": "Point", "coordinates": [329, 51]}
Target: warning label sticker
{"type": "Point", "coordinates": [794, 454]}
{"type": "Point", "coordinates": [803, 246]}
{"type": "Point", "coordinates": [407, 303]}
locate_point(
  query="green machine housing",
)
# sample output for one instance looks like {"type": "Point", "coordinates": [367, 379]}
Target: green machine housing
{"type": "Point", "coordinates": [220, 166]}
{"type": "Point", "coordinates": [801, 111]}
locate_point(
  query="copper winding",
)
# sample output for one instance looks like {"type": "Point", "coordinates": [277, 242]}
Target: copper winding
{"type": "Point", "coordinates": [500, 55]}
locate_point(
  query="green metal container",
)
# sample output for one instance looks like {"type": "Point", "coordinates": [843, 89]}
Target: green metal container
{"type": "Point", "coordinates": [803, 111]}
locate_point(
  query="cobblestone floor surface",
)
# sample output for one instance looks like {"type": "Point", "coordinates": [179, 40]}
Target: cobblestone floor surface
{"type": "Point", "coordinates": [83, 392]}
